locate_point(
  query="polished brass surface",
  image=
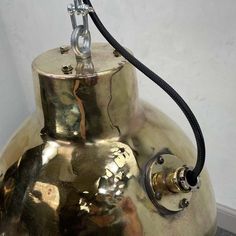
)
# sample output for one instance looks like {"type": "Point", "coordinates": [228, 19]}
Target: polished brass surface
{"type": "Point", "coordinates": [165, 182]}
{"type": "Point", "coordinates": [173, 180]}
{"type": "Point", "coordinates": [76, 165]}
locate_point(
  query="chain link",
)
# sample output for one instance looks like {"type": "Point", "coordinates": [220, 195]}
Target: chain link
{"type": "Point", "coordinates": [80, 38]}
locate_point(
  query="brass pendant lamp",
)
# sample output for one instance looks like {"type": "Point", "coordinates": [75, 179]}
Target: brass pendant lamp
{"type": "Point", "coordinates": [94, 159]}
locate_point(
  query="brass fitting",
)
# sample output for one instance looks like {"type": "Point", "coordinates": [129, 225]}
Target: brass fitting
{"type": "Point", "coordinates": [174, 181]}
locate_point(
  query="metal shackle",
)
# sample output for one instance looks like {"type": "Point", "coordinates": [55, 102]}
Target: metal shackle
{"type": "Point", "coordinates": [80, 37]}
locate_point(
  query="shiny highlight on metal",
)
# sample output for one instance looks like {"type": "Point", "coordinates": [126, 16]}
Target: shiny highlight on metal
{"type": "Point", "coordinates": [77, 165]}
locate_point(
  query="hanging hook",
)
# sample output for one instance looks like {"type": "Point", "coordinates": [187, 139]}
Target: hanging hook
{"type": "Point", "coordinates": [80, 38]}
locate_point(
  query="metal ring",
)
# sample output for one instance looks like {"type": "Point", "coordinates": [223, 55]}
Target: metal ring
{"type": "Point", "coordinates": [184, 182]}
{"type": "Point", "coordinates": [81, 42]}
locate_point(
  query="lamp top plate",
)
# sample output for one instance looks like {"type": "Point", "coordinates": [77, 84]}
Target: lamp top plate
{"type": "Point", "coordinates": [55, 62]}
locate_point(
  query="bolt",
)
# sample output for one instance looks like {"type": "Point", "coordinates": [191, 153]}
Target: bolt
{"type": "Point", "coordinates": [122, 150]}
{"type": "Point", "coordinates": [64, 49]}
{"type": "Point", "coordinates": [158, 196]}
{"type": "Point", "coordinates": [160, 160]}
{"type": "Point", "coordinates": [67, 69]}
{"type": "Point", "coordinates": [184, 203]}
{"type": "Point", "coordinates": [116, 53]}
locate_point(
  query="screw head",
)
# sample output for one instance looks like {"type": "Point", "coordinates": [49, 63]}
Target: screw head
{"type": "Point", "coordinates": [64, 49]}
{"type": "Point", "coordinates": [184, 203]}
{"type": "Point", "coordinates": [116, 53]}
{"type": "Point", "coordinates": [160, 160]}
{"type": "Point", "coordinates": [158, 196]}
{"type": "Point", "coordinates": [67, 69]}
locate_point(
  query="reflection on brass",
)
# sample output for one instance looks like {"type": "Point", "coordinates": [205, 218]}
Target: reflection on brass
{"type": "Point", "coordinates": [165, 182]}
{"type": "Point", "coordinates": [170, 181]}
{"type": "Point", "coordinates": [76, 165]}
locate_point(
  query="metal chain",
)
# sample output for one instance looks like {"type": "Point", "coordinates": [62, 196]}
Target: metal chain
{"type": "Point", "coordinates": [80, 38]}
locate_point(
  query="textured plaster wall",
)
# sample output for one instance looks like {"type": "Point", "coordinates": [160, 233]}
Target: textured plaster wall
{"type": "Point", "coordinates": [189, 43]}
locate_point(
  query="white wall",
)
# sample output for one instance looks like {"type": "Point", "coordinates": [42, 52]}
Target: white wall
{"type": "Point", "coordinates": [12, 99]}
{"type": "Point", "coordinates": [189, 43]}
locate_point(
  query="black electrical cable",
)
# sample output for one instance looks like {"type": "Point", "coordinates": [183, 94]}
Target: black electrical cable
{"type": "Point", "coordinates": [201, 152]}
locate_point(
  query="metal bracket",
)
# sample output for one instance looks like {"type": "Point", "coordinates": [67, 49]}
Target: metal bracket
{"type": "Point", "coordinates": [165, 183]}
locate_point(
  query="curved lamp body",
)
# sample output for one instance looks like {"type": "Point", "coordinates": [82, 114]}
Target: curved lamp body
{"type": "Point", "coordinates": [76, 165]}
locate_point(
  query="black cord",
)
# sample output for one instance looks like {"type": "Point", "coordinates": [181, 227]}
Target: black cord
{"type": "Point", "coordinates": [191, 175]}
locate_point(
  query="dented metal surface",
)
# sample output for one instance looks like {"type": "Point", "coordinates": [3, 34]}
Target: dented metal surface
{"type": "Point", "coordinates": [76, 166]}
